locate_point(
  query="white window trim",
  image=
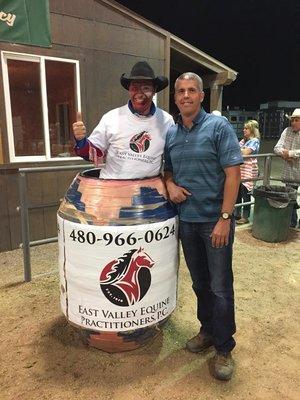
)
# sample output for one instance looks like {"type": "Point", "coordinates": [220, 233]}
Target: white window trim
{"type": "Point", "coordinates": [5, 55]}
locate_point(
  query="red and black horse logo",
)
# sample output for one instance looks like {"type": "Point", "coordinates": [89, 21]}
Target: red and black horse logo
{"type": "Point", "coordinates": [140, 142]}
{"type": "Point", "coordinates": [126, 280]}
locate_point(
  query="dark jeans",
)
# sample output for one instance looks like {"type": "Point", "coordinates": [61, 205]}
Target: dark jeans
{"type": "Point", "coordinates": [294, 219]}
{"type": "Point", "coordinates": [243, 197]}
{"type": "Point", "coordinates": [211, 273]}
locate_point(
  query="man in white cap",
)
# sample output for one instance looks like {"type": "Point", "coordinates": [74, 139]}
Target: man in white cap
{"type": "Point", "coordinates": [131, 137]}
{"type": "Point", "coordinates": [288, 147]}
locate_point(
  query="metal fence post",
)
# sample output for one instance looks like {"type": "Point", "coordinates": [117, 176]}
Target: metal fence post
{"type": "Point", "coordinates": [267, 171]}
{"type": "Point", "coordinates": [25, 226]}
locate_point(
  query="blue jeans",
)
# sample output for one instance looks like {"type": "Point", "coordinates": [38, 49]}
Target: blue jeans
{"type": "Point", "coordinates": [294, 219]}
{"type": "Point", "coordinates": [212, 277]}
{"type": "Point", "coordinates": [243, 197]}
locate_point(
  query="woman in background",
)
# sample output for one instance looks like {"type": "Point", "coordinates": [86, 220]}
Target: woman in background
{"type": "Point", "coordinates": [249, 170]}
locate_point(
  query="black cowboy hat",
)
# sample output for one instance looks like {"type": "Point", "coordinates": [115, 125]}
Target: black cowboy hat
{"type": "Point", "coordinates": [142, 71]}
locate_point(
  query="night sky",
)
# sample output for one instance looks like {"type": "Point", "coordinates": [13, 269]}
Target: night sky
{"type": "Point", "coordinates": [260, 39]}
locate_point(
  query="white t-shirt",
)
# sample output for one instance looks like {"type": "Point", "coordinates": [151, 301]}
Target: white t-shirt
{"type": "Point", "coordinates": [134, 145]}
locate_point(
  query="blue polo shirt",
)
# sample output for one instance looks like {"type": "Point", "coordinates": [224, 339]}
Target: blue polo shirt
{"type": "Point", "coordinates": [197, 158]}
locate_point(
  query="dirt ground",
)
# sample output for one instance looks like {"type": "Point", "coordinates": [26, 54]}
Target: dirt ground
{"type": "Point", "coordinates": [43, 358]}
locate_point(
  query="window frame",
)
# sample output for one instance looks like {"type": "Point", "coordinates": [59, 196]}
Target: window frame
{"type": "Point", "coordinates": [8, 55]}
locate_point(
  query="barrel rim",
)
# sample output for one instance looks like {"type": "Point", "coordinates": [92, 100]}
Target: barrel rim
{"type": "Point", "coordinates": [84, 174]}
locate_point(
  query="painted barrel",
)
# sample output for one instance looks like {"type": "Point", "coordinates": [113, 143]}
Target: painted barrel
{"type": "Point", "coordinates": [118, 259]}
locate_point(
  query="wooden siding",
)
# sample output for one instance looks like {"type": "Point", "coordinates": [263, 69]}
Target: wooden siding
{"type": "Point", "coordinates": [5, 240]}
{"type": "Point", "coordinates": [107, 44]}
{"type": "Point", "coordinates": [3, 127]}
{"type": "Point", "coordinates": [43, 188]}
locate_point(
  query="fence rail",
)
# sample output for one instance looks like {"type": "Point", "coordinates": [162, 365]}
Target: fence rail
{"type": "Point", "coordinates": [24, 208]}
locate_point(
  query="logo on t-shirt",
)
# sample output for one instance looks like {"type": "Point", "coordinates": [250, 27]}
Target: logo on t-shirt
{"type": "Point", "coordinates": [140, 142]}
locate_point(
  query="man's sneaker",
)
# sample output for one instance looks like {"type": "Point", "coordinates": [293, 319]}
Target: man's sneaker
{"type": "Point", "coordinates": [198, 343]}
{"type": "Point", "coordinates": [222, 366]}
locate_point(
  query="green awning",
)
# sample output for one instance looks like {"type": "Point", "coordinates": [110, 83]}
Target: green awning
{"type": "Point", "coordinates": [25, 21]}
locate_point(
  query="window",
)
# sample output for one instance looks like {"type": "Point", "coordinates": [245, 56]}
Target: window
{"type": "Point", "coordinates": [41, 97]}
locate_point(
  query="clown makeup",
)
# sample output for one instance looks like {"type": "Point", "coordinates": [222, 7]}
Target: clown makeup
{"type": "Point", "coordinates": [141, 94]}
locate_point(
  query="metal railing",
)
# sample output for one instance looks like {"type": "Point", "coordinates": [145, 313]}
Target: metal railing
{"type": "Point", "coordinates": [24, 206]}
{"type": "Point", "coordinates": [266, 177]}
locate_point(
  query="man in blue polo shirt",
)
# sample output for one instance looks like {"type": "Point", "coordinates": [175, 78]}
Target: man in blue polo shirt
{"type": "Point", "coordinates": [202, 174]}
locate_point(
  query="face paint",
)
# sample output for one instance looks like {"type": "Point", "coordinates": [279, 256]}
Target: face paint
{"type": "Point", "coordinates": [141, 94]}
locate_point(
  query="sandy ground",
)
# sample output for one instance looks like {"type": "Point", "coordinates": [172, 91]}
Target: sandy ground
{"type": "Point", "coordinates": [42, 358]}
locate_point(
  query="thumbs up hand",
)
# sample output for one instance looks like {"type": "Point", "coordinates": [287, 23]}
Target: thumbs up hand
{"type": "Point", "coordinates": [79, 128]}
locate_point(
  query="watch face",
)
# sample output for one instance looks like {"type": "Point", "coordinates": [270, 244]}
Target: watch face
{"type": "Point", "coordinates": [225, 215]}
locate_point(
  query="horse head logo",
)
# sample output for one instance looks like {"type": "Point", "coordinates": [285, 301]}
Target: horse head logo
{"type": "Point", "coordinates": [140, 142]}
{"type": "Point", "coordinates": [126, 280]}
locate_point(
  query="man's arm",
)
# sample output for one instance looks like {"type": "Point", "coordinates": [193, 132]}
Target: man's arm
{"type": "Point", "coordinates": [281, 150]}
{"type": "Point", "coordinates": [231, 187]}
{"type": "Point", "coordinates": [83, 147]}
{"type": "Point", "coordinates": [279, 147]}
{"type": "Point", "coordinates": [294, 153]}
{"type": "Point", "coordinates": [177, 194]}
{"type": "Point", "coordinates": [220, 234]}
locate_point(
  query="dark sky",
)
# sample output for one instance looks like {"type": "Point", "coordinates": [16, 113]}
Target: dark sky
{"type": "Point", "coordinates": [258, 38]}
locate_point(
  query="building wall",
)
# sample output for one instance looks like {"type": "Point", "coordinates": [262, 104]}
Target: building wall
{"type": "Point", "coordinates": [43, 188]}
{"type": "Point", "coordinates": [107, 43]}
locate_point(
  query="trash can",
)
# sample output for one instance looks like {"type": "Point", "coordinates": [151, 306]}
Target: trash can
{"type": "Point", "coordinates": [272, 212]}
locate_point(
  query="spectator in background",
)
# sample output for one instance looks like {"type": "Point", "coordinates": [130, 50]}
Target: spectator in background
{"type": "Point", "coordinates": [249, 170]}
{"type": "Point", "coordinates": [288, 147]}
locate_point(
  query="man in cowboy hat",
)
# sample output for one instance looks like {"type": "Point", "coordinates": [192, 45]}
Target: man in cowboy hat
{"type": "Point", "coordinates": [288, 147]}
{"type": "Point", "coordinates": [131, 137]}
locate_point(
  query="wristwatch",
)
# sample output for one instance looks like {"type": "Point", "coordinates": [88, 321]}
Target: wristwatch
{"type": "Point", "coordinates": [225, 215]}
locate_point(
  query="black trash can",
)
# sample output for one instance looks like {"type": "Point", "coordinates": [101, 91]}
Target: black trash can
{"type": "Point", "coordinates": [272, 212]}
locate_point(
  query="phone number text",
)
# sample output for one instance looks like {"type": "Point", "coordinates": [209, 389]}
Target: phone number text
{"type": "Point", "coordinates": [121, 238]}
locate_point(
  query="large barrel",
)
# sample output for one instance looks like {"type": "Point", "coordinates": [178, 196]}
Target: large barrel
{"type": "Point", "coordinates": [118, 257]}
